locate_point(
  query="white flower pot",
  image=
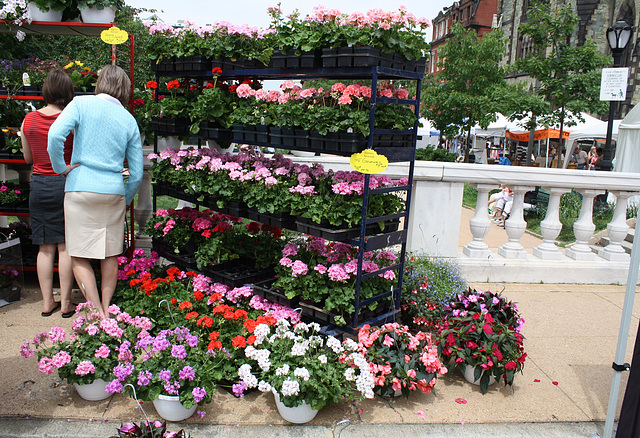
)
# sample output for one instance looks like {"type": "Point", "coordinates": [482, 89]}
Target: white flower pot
{"type": "Point", "coordinates": [468, 373]}
{"type": "Point", "coordinates": [299, 415]}
{"type": "Point", "coordinates": [168, 142]}
{"type": "Point", "coordinates": [212, 144]}
{"type": "Point", "coordinates": [170, 408]}
{"type": "Point", "coordinates": [303, 154]}
{"type": "Point", "coordinates": [93, 391]}
{"type": "Point", "coordinates": [38, 15]}
{"type": "Point", "coordinates": [93, 15]}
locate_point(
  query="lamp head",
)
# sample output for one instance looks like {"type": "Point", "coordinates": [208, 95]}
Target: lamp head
{"type": "Point", "coordinates": [618, 35]}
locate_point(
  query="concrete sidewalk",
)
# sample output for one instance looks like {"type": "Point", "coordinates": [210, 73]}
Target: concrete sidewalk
{"type": "Point", "coordinates": [571, 333]}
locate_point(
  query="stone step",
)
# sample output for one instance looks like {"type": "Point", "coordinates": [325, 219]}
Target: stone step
{"type": "Point", "coordinates": [604, 241]}
{"type": "Point", "coordinates": [630, 234]}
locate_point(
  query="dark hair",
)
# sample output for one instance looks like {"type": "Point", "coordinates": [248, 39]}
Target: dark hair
{"type": "Point", "coordinates": [113, 81]}
{"type": "Point", "coordinates": [57, 88]}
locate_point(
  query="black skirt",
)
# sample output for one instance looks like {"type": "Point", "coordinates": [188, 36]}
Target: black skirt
{"type": "Point", "coordinates": [46, 200]}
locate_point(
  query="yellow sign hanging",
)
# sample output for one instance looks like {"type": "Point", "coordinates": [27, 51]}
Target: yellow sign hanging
{"type": "Point", "coordinates": [368, 161]}
{"type": "Point", "coordinates": [114, 35]}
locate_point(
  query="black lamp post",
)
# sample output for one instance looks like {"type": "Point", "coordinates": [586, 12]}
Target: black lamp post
{"type": "Point", "coordinates": [618, 37]}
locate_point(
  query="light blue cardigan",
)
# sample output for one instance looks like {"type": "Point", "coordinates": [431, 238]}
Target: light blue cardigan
{"type": "Point", "coordinates": [105, 134]}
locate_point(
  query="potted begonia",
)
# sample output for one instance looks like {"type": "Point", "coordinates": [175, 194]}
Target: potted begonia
{"type": "Point", "coordinates": [481, 336]}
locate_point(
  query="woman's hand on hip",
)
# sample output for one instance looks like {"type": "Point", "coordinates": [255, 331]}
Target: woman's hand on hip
{"type": "Point", "coordinates": [69, 168]}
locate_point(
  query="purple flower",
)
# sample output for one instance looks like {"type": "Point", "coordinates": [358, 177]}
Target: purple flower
{"type": "Point", "coordinates": [114, 386]}
{"type": "Point", "coordinates": [165, 375]}
{"type": "Point", "coordinates": [198, 394]}
{"type": "Point", "coordinates": [144, 378]}
{"type": "Point", "coordinates": [123, 371]}
{"type": "Point", "coordinates": [238, 389]}
{"type": "Point", "coordinates": [186, 373]}
{"type": "Point", "coordinates": [178, 351]}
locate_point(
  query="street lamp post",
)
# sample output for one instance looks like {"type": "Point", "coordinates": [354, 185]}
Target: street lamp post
{"type": "Point", "coordinates": [618, 37]}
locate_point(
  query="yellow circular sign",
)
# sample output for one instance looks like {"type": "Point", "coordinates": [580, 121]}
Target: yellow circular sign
{"type": "Point", "coordinates": [114, 35]}
{"type": "Point", "coordinates": [368, 161]}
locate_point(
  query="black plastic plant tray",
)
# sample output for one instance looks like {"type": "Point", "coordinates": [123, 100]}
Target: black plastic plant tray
{"type": "Point", "coordinates": [193, 64]}
{"type": "Point", "coordinates": [8, 155]}
{"type": "Point", "coordinates": [263, 289]}
{"type": "Point", "coordinates": [211, 130]}
{"type": "Point", "coordinates": [170, 126]}
{"type": "Point", "coordinates": [13, 208]}
{"type": "Point", "coordinates": [336, 234]}
{"type": "Point", "coordinates": [279, 220]}
{"type": "Point", "coordinates": [166, 65]}
{"type": "Point", "coordinates": [316, 314]}
{"type": "Point", "coordinates": [291, 60]}
{"type": "Point", "coordinates": [236, 273]}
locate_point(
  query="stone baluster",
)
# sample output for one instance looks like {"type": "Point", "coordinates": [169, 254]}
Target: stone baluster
{"type": "Point", "coordinates": [515, 226]}
{"type": "Point", "coordinates": [617, 229]}
{"type": "Point", "coordinates": [583, 228]}
{"type": "Point", "coordinates": [550, 227]}
{"type": "Point", "coordinates": [143, 209]}
{"type": "Point", "coordinates": [480, 224]}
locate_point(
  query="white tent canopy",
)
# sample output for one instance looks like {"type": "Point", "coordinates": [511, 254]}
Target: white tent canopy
{"type": "Point", "coordinates": [628, 145]}
{"type": "Point", "coordinates": [495, 129]}
{"type": "Point", "coordinates": [591, 128]}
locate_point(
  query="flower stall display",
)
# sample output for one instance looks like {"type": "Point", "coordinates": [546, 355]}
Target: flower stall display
{"type": "Point", "coordinates": [302, 367]}
{"type": "Point", "coordinates": [97, 349]}
{"type": "Point", "coordinates": [324, 273]}
{"type": "Point", "coordinates": [401, 361]}
{"type": "Point", "coordinates": [481, 330]}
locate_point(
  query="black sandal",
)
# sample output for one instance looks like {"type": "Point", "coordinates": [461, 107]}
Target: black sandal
{"type": "Point", "coordinates": [49, 313]}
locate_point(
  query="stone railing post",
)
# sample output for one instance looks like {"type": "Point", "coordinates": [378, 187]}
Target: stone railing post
{"type": "Point", "coordinates": [550, 227]}
{"type": "Point", "coordinates": [515, 226]}
{"type": "Point", "coordinates": [583, 228]}
{"type": "Point", "coordinates": [617, 229]}
{"type": "Point", "coordinates": [144, 205]}
{"type": "Point", "coordinates": [479, 224]}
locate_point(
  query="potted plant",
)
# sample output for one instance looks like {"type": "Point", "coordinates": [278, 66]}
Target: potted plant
{"type": "Point", "coordinates": [148, 429]}
{"type": "Point", "coordinates": [401, 362]}
{"type": "Point", "coordinates": [174, 371]}
{"type": "Point", "coordinates": [48, 10]}
{"type": "Point", "coordinates": [99, 11]}
{"type": "Point", "coordinates": [428, 285]}
{"type": "Point", "coordinates": [304, 369]}
{"type": "Point", "coordinates": [481, 331]}
{"type": "Point", "coordinates": [97, 357]}
{"type": "Point", "coordinates": [13, 195]}
{"type": "Point", "coordinates": [83, 78]}
{"type": "Point", "coordinates": [15, 13]}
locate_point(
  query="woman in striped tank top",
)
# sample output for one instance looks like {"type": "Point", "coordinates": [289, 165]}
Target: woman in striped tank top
{"type": "Point", "coordinates": [47, 193]}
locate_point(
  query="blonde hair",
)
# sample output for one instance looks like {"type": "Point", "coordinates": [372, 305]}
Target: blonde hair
{"type": "Point", "coordinates": [114, 81]}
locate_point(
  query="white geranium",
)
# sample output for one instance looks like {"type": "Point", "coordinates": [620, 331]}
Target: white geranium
{"type": "Point", "coordinates": [322, 358]}
{"type": "Point", "coordinates": [264, 386]}
{"type": "Point", "coordinates": [261, 332]}
{"type": "Point", "coordinates": [283, 370]}
{"type": "Point", "coordinates": [300, 347]}
{"type": "Point", "coordinates": [334, 344]}
{"type": "Point", "coordinates": [290, 387]}
{"type": "Point", "coordinates": [302, 372]}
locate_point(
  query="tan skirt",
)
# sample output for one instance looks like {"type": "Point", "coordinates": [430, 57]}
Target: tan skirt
{"type": "Point", "coordinates": [94, 224]}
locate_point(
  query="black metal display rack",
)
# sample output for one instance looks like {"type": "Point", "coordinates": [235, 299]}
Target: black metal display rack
{"type": "Point", "coordinates": [364, 240]}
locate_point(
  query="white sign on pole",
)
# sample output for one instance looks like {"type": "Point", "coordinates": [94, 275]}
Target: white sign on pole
{"type": "Point", "coordinates": [614, 83]}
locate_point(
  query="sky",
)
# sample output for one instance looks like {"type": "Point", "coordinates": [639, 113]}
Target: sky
{"type": "Point", "coordinates": [254, 12]}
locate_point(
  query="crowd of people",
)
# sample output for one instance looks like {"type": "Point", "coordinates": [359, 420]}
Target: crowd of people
{"type": "Point", "coordinates": [77, 146]}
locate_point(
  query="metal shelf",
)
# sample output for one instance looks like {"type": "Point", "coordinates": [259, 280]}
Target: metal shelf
{"type": "Point", "coordinates": [71, 28]}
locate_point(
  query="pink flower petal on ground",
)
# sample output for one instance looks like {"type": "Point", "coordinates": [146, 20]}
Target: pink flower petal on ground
{"type": "Point", "coordinates": [536, 380]}
{"type": "Point", "coordinates": [461, 401]}
{"type": "Point", "coordinates": [555, 383]}
{"type": "Point", "coordinates": [360, 411]}
{"type": "Point", "coordinates": [420, 414]}
{"type": "Point", "coordinates": [462, 422]}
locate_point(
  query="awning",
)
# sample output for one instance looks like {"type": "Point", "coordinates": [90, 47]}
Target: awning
{"type": "Point", "coordinates": [539, 134]}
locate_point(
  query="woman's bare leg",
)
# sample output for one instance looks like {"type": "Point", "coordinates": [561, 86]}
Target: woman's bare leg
{"type": "Point", "coordinates": [44, 266]}
{"type": "Point", "coordinates": [65, 272]}
{"type": "Point", "coordinates": [86, 277]}
{"type": "Point", "coordinates": [109, 280]}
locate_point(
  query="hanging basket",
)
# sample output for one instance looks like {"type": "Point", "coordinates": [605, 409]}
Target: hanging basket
{"type": "Point", "coordinates": [38, 15]}
{"type": "Point", "coordinates": [95, 15]}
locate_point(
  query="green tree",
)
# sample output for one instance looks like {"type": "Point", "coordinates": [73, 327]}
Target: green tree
{"type": "Point", "coordinates": [469, 88]}
{"type": "Point", "coordinates": [567, 76]}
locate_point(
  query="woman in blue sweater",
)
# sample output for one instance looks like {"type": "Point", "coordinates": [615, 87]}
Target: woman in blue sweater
{"type": "Point", "coordinates": [96, 195]}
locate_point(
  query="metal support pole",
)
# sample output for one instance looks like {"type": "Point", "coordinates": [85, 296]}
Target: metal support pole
{"type": "Point", "coordinates": [623, 335]}
{"type": "Point", "coordinates": [608, 153]}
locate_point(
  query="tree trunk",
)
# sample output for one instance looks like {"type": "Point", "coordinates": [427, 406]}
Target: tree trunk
{"type": "Point", "coordinates": [532, 133]}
